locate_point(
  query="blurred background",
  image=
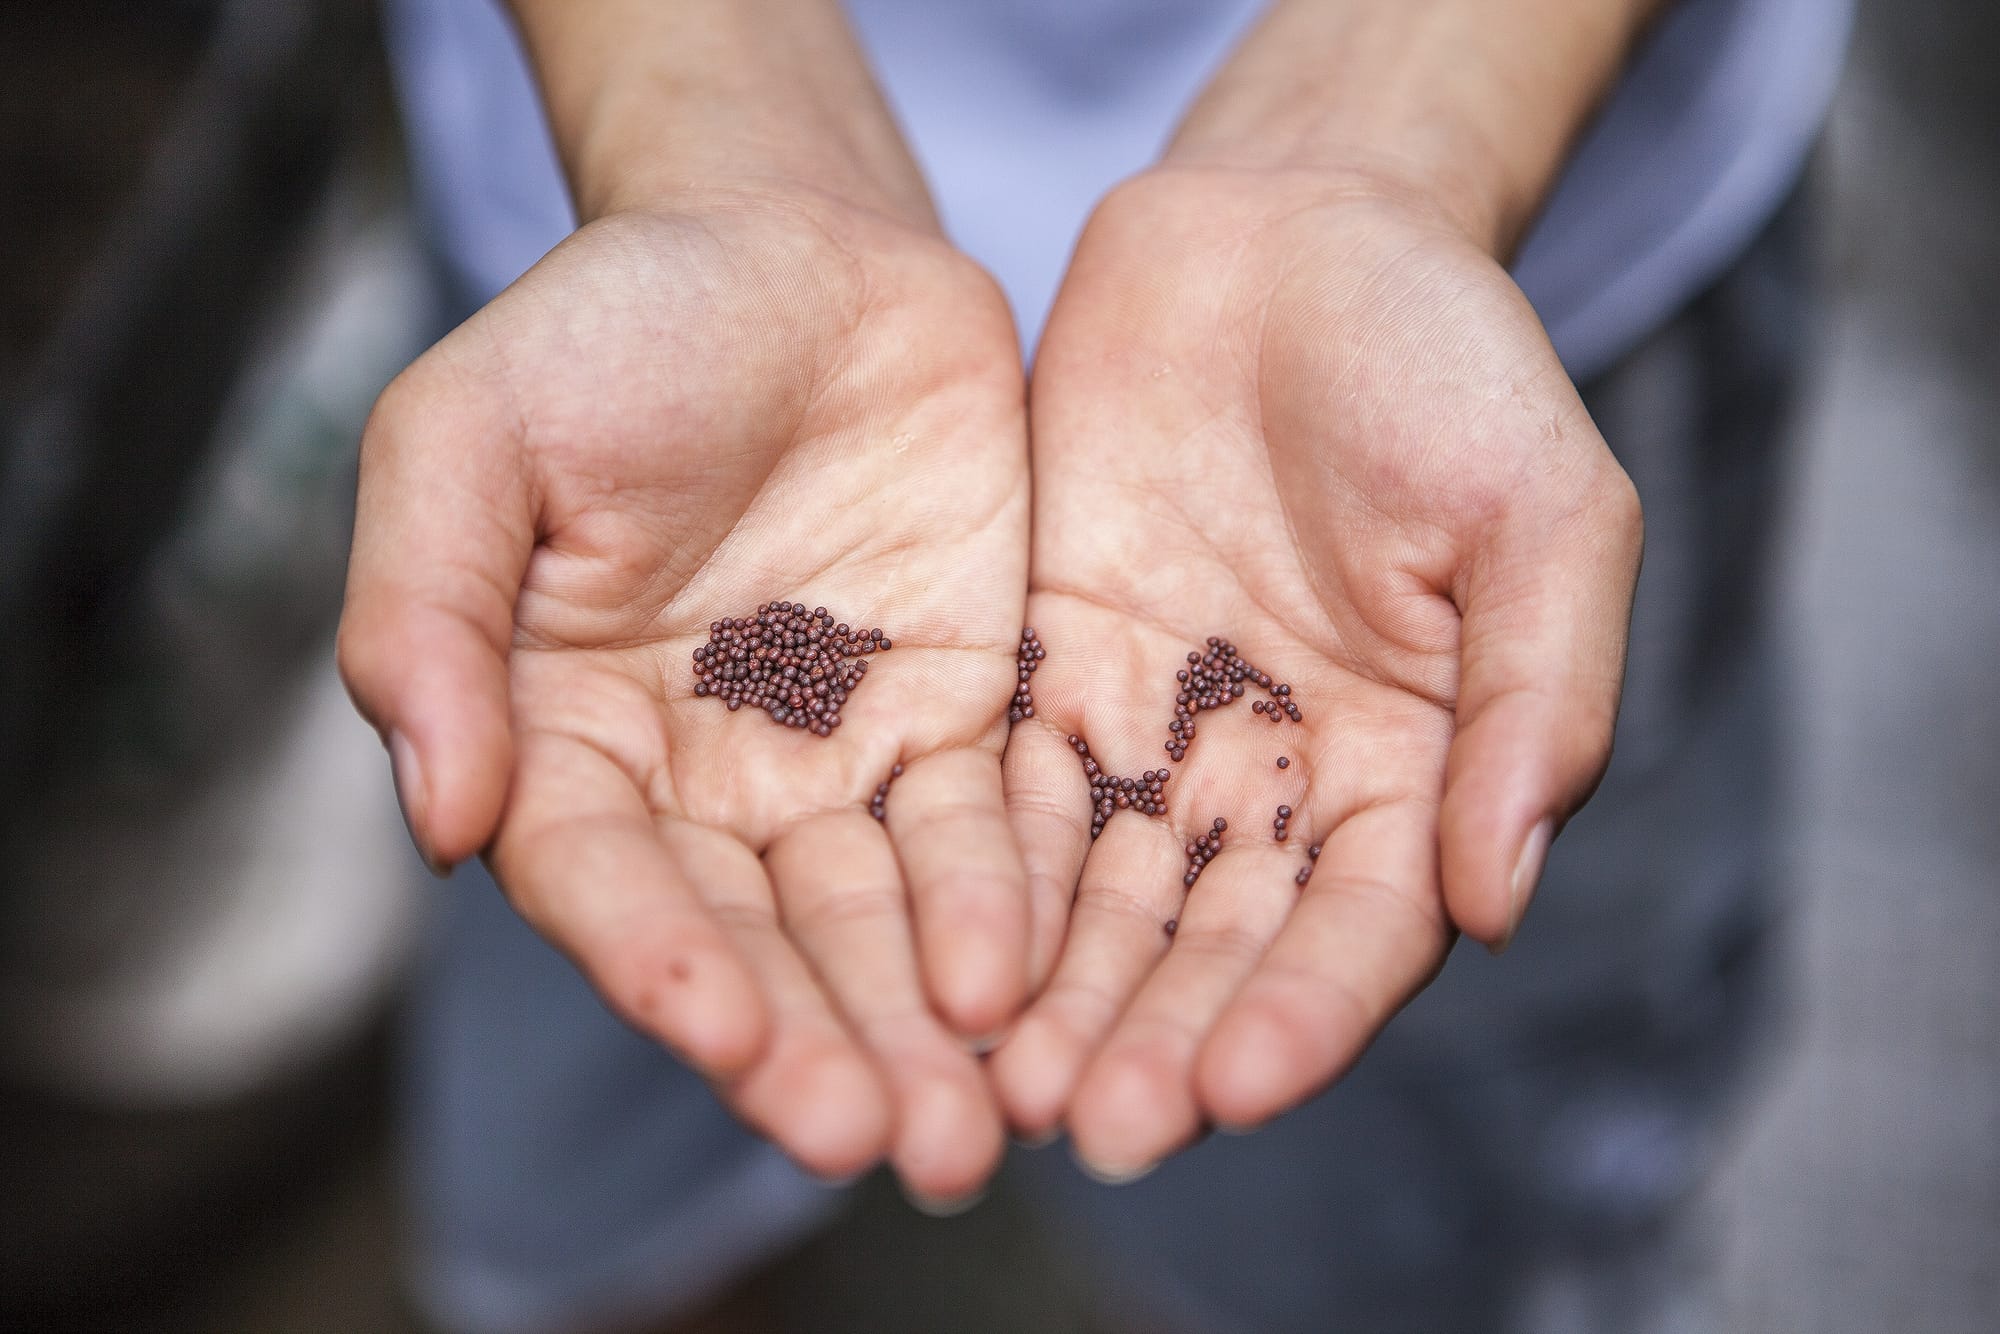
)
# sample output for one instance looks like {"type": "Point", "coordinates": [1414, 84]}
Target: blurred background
{"type": "Point", "coordinates": [208, 268]}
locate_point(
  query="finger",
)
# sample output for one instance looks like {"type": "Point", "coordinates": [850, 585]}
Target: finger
{"type": "Point", "coordinates": [813, 1092]}
{"type": "Point", "coordinates": [840, 896]}
{"type": "Point", "coordinates": [1366, 935]}
{"type": "Point", "coordinates": [443, 529]}
{"type": "Point", "coordinates": [968, 891]}
{"type": "Point", "coordinates": [1130, 888]}
{"type": "Point", "coordinates": [581, 862]}
{"type": "Point", "coordinates": [1135, 1101]}
{"type": "Point", "coordinates": [1048, 807]}
{"type": "Point", "coordinates": [1543, 660]}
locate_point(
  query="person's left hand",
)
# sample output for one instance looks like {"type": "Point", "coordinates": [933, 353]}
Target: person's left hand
{"type": "Point", "coordinates": [1314, 418]}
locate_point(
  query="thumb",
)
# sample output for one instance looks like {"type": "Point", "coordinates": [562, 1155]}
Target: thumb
{"type": "Point", "coordinates": [1546, 606]}
{"type": "Point", "coordinates": [442, 533]}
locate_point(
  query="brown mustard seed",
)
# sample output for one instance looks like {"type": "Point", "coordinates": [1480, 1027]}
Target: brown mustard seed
{"type": "Point", "coordinates": [878, 805]}
{"type": "Point", "coordinates": [1203, 850]}
{"type": "Point", "coordinates": [1217, 677]}
{"type": "Point", "coordinates": [1173, 924]}
{"type": "Point", "coordinates": [1109, 794]}
{"type": "Point", "coordinates": [796, 665]}
{"type": "Point", "coordinates": [1284, 763]}
{"type": "Point", "coordinates": [1026, 659]}
{"type": "Point", "coordinates": [1305, 874]}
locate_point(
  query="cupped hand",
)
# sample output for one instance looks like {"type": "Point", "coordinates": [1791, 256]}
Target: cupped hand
{"type": "Point", "coordinates": [1309, 417]}
{"type": "Point", "coordinates": [674, 418]}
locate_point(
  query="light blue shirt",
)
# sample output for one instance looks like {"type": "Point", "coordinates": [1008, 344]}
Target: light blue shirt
{"type": "Point", "coordinates": [1024, 112]}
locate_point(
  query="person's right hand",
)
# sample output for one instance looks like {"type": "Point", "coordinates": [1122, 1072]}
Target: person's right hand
{"type": "Point", "coordinates": [672, 418]}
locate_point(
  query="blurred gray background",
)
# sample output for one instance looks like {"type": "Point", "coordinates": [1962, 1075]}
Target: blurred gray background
{"type": "Point", "coordinates": [198, 1138]}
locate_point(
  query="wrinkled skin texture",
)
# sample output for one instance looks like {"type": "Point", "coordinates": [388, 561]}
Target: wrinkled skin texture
{"type": "Point", "coordinates": [1310, 417]}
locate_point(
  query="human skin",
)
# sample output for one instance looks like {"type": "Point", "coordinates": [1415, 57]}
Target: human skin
{"type": "Point", "coordinates": [756, 372]}
{"type": "Point", "coordinates": [1289, 395]}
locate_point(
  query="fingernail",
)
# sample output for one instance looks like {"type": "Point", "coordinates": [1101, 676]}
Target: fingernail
{"type": "Point", "coordinates": [985, 1043]}
{"type": "Point", "coordinates": [1527, 872]}
{"type": "Point", "coordinates": [1041, 1141]}
{"type": "Point", "coordinates": [412, 798]}
{"type": "Point", "coordinates": [1111, 1176]}
{"type": "Point", "coordinates": [841, 1182]}
{"type": "Point", "coordinates": [940, 1206]}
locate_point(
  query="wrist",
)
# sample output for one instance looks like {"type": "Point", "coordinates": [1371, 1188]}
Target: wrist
{"type": "Point", "coordinates": [1466, 108]}
{"type": "Point", "coordinates": [655, 104]}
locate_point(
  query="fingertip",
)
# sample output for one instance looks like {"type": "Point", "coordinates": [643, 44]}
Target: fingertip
{"type": "Point", "coordinates": [1524, 878]}
{"type": "Point", "coordinates": [949, 1139]}
{"type": "Point", "coordinates": [977, 985]}
{"type": "Point", "coordinates": [1032, 1074]}
{"type": "Point", "coordinates": [441, 706]}
{"type": "Point", "coordinates": [841, 1120]}
{"type": "Point", "coordinates": [1505, 778]}
{"type": "Point", "coordinates": [1127, 1115]}
{"type": "Point", "coordinates": [406, 771]}
{"type": "Point", "coordinates": [1247, 1070]}
{"type": "Point", "coordinates": [466, 752]}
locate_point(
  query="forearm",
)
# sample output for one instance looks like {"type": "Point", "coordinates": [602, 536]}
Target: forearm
{"type": "Point", "coordinates": [1472, 104]}
{"type": "Point", "coordinates": [653, 101]}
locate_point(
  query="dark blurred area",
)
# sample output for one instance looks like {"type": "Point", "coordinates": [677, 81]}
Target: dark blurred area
{"type": "Point", "coordinates": [200, 224]}
{"type": "Point", "coordinates": [208, 268]}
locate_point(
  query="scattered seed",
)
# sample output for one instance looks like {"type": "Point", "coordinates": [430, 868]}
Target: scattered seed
{"type": "Point", "coordinates": [1305, 874]}
{"type": "Point", "coordinates": [796, 665]}
{"type": "Point", "coordinates": [1173, 924]}
{"type": "Point", "coordinates": [878, 805]}
{"type": "Point", "coordinates": [1026, 659]}
{"type": "Point", "coordinates": [1109, 794]}
{"type": "Point", "coordinates": [1284, 763]}
{"type": "Point", "coordinates": [1217, 677]}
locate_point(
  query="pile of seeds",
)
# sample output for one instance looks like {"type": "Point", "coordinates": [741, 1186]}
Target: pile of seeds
{"type": "Point", "coordinates": [1146, 794]}
{"type": "Point", "coordinates": [1215, 678]}
{"type": "Point", "coordinates": [1282, 825]}
{"type": "Point", "coordinates": [1026, 658]}
{"type": "Point", "coordinates": [1202, 851]}
{"type": "Point", "coordinates": [878, 805]}
{"type": "Point", "coordinates": [795, 664]}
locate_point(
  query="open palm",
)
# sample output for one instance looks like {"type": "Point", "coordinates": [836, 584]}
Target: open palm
{"type": "Point", "coordinates": [669, 421]}
{"type": "Point", "coordinates": [1313, 422]}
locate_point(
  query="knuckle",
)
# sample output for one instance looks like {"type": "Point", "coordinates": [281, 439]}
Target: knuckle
{"type": "Point", "coordinates": [852, 909]}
